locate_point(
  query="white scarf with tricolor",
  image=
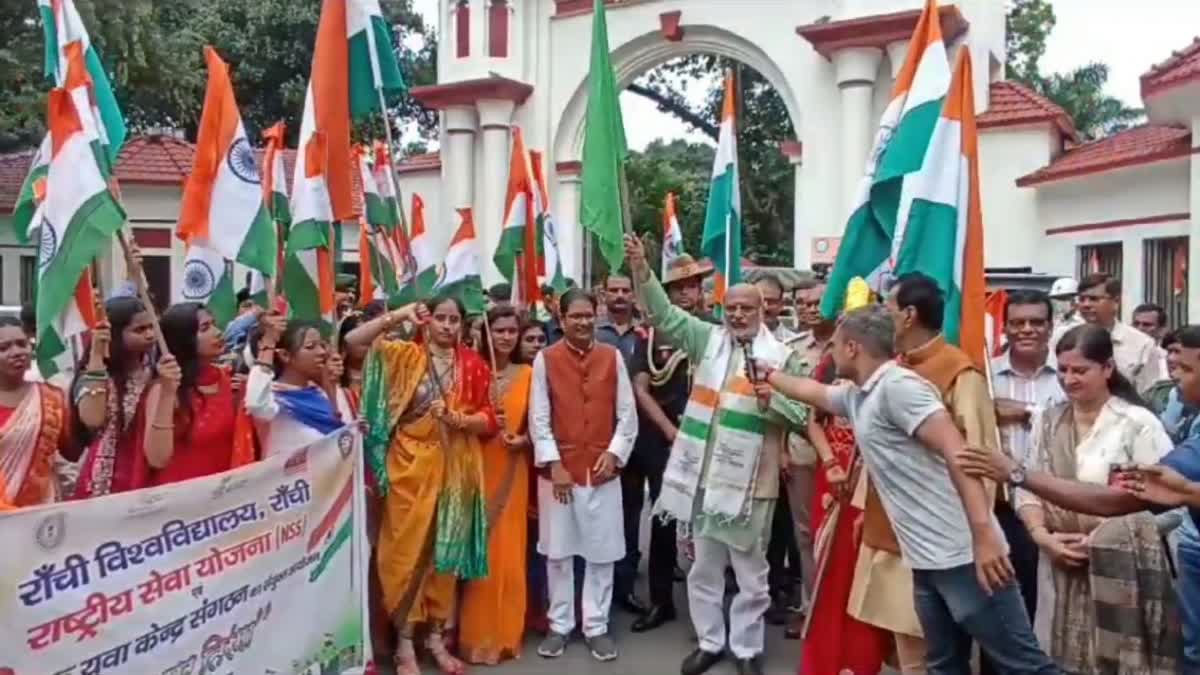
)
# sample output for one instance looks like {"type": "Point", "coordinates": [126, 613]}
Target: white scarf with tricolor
{"type": "Point", "coordinates": [722, 402]}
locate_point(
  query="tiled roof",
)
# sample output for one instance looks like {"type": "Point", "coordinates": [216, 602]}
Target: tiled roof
{"type": "Point", "coordinates": [155, 160]}
{"type": "Point", "coordinates": [166, 160]}
{"type": "Point", "coordinates": [1183, 66]}
{"type": "Point", "coordinates": [13, 169]}
{"type": "Point", "coordinates": [1139, 145]}
{"type": "Point", "coordinates": [1012, 103]}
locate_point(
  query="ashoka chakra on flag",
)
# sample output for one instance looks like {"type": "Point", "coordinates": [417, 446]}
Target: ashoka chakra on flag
{"type": "Point", "coordinates": [241, 161]}
{"type": "Point", "coordinates": [199, 280]}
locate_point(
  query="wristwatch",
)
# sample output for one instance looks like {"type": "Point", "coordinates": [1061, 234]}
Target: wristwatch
{"type": "Point", "coordinates": [1016, 477]}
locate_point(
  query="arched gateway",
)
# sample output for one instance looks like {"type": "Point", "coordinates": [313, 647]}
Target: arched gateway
{"type": "Point", "coordinates": [525, 62]}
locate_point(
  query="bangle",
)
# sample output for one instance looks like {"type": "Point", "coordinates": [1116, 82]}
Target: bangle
{"type": "Point", "coordinates": [829, 463]}
{"type": "Point", "coordinates": [96, 374]}
{"type": "Point", "coordinates": [162, 427]}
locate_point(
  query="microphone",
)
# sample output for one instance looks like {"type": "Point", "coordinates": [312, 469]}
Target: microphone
{"type": "Point", "coordinates": [748, 357]}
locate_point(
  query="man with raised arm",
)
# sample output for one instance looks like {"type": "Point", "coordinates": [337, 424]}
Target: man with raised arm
{"type": "Point", "coordinates": [722, 478]}
{"type": "Point", "coordinates": [963, 584]}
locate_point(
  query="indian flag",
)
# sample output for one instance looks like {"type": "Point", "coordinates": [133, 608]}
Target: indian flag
{"type": "Point", "coordinates": [274, 180]}
{"type": "Point", "coordinates": [33, 191]}
{"type": "Point", "coordinates": [378, 255]}
{"type": "Point", "coordinates": [722, 240]}
{"type": "Point", "coordinates": [78, 220]}
{"type": "Point", "coordinates": [944, 237]}
{"type": "Point", "coordinates": [373, 67]}
{"type": "Point", "coordinates": [460, 276]}
{"type": "Point", "coordinates": [223, 208]}
{"type": "Point", "coordinates": [515, 257]}
{"type": "Point", "coordinates": [550, 259]}
{"type": "Point", "coordinates": [63, 26]}
{"type": "Point", "coordinates": [379, 187]}
{"type": "Point", "coordinates": [424, 261]}
{"type": "Point", "coordinates": [333, 530]}
{"type": "Point", "coordinates": [885, 193]}
{"type": "Point", "coordinates": [208, 279]}
{"type": "Point", "coordinates": [672, 246]}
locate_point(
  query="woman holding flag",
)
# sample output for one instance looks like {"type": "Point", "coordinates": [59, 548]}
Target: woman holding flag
{"type": "Point", "coordinates": [492, 622]}
{"type": "Point", "coordinates": [427, 405]}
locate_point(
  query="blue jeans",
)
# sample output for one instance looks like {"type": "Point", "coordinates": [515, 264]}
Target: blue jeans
{"type": "Point", "coordinates": [1188, 588]}
{"type": "Point", "coordinates": [953, 610]}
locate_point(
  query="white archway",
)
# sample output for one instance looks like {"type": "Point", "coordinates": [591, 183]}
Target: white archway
{"type": "Point", "coordinates": [635, 57]}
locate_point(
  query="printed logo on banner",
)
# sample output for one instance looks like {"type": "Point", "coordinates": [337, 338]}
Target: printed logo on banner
{"type": "Point", "coordinates": [51, 531]}
{"type": "Point", "coordinates": [345, 443]}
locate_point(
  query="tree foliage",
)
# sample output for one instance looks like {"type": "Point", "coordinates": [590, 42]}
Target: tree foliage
{"type": "Point", "coordinates": [153, 51]}
{"type": "Point", "coordinates": [766, 176]}
{"type": "Point", "coordinates": [1080, 91]}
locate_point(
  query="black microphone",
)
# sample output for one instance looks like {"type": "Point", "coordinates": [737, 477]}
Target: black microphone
{"type": "Point", "coordinates": [748, 356]}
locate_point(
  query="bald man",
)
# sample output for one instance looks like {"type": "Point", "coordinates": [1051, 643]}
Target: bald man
{"type": "Point", "coordinates": [722, 479]}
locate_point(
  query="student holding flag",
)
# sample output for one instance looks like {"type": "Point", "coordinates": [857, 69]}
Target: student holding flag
{"type": "Point", "coordinates": [428, 406]}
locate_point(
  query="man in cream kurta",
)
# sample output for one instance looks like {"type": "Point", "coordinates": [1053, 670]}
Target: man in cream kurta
{"type": "Point", "coordinates": [722, 479]}
{"type": "Point", "coordinates": [583, 423]}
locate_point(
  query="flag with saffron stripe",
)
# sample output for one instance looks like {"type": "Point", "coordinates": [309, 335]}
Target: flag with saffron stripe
{"type": "Point", "coordinates": [722, 240]}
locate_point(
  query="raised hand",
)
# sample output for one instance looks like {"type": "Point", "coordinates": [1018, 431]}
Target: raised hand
{"type": "Point", "coordinates": [169, 371]}
{"type": "Point", "coordinates": [101, 341]}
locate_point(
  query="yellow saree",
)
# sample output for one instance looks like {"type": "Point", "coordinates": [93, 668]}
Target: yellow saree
{"type": "Point", "coordinates": [434, 528]}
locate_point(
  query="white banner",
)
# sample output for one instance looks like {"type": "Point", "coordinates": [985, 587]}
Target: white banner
{"type": "Point", "coordinates": [254, 571]}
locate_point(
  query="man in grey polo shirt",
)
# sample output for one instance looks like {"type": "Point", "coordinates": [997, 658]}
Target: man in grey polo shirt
{"type": "Point", "coordinates": [963, 584]}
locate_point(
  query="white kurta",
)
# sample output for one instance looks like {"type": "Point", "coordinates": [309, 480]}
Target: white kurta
{"type": "Point", "coordinates": [592, 524]}
{"type": "Point", "coordinates": [279, 432]}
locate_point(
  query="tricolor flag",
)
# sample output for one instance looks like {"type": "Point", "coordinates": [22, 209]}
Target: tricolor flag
{"type": "Point", "coordinates": [550, 258]}
{"type": "Point", "coordinates": [722, 240]}
{"type": "Point", "coordinates": [516, 252]}
{"type": "Point", "coordinates": [63, 26]}
{"type": "Point", "coordinates": [79, 218]}
{"type": "Point", "coordinates": [884, 196]}
{"type": "Point", "coordinates": [333, 530]}
{"type": "Point", "coordinates": [460, 277]}
{"type": "Point", "coordinates": [379, 259]}
{"type": "Point", "coordinates": [33, 191]}
{"type": "Point", "coordinates": [208, 278]}
{"type": "Point", "coordinates": [274, 176]}
{"type": "Point", "coordinates": [672, 246]}
{"type": "Point", "coordinates": [424, 262]}
{"type": "Point", "coordinates": [223, 209]}
{"type": "Point", "coordinates": [373, 66]}
{"type": "Point", "coordinates": [308, 274]}
{"type": "Point", "coordinates": [383, 205]}
{"type": "Point", "coordinates": [944, 237]}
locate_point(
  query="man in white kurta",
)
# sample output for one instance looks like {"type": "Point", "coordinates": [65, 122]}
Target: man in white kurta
{"type": "Point", "coordinates": [583, 422]}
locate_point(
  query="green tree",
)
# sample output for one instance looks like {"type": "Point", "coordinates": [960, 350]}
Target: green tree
{"type": "Point", "coordinates": [1080, 91]}
{"type": "Point", "coordinates": [153, 51]}
{"type": "Point", "coordinates": [768, 193]}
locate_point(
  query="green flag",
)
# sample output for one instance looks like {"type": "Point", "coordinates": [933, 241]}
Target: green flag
{"type": "Point", "coordinates": [603, 150]}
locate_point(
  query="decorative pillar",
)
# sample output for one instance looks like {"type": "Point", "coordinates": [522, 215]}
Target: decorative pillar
{"type": "Point", "coordinates": [856, 69]}
{"type": "Point", "coordinates": [566, 218]}
{"type": "Point", "coordinates": [495, 124]}
{"type": "Point", "coordinates": [897, 52]}
{"type": "Point", "coordinates": [802, 234]}
{"type": "Point", "coordinates": [459, 166]}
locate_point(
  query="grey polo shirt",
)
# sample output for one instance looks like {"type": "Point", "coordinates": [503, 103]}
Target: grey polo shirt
{"type": "Point", "coordinates": [913, 481]}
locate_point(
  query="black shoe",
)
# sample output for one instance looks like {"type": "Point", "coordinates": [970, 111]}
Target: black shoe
{"type": "Point", "coordinates": [699, 662]}
{"type": "Point", "coordinates": [657, 616]}
{"type": "Point", "coordinates": [680, 575]}
{"type": "Point", "coordinates": [749, 666]}
{"type": "Point", "coordinates": [777, 614]}
{"type": "Point", "coordinates": [632, 604]}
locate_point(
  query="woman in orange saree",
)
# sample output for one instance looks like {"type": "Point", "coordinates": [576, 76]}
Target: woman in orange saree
{"type": "Point", "coordinates": [34, 425]}
{"type": "Point", "coordinates": [427, 406]}
{"type": "Point", "coordinates": [836, 643]}
{"type": "Point", "coordinates": [492, 616]}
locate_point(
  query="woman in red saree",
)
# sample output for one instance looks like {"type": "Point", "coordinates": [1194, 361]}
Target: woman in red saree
{"type": "Point", "coordinates": [836, 643]}
{"type": "Point", "coordinates": [34, 425]}
{"type": "Point", "coordinates": [107, 397]}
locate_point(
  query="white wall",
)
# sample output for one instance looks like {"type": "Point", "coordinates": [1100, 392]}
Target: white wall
{"type": "Point", "coordinates": [428, 184]}
{"type": "Point", "coordinates": [10, 263]}
{"type": "Point", "coordinates": [1011, 225]}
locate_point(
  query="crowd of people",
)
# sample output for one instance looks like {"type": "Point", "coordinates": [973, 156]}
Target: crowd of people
{"type": "Point", "coordinates": [857, 480]}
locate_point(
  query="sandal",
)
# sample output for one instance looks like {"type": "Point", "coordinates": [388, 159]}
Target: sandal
{"type": "Point", "coordinates": [405, 658]}
{"type": "Point", "coordinates": [446, 662]}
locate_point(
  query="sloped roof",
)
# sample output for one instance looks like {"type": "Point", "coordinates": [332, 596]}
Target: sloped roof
{"type": "Point", "coordinates": [166, 160]}
{"type": "Point", "coordinates": [1140, 145]}
{"type": "Point", "coordinates": [1183, 66]}
{"type": "Point", "coordinates": [1012, 104]}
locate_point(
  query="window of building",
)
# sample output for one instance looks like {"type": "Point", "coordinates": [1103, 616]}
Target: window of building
{"type": "Point", "coordinates": [158, 280]}
{"type": "Point", "coordinates": [28, 278]}
{"type": "Point", "coordinates": [1099, 258]}
{"type": "Point", "coordinates": [1164, 276]}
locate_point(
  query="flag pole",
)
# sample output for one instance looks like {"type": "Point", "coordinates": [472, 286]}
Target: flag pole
{"type": "Point", "coordinates": [139, 281]}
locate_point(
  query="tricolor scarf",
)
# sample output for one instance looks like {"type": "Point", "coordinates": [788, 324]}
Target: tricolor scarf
{"type": "Point", "coordinates": [722, 402]}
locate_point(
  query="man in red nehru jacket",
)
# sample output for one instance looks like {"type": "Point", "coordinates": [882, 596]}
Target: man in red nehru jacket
{"type": "Point", "coordinates": [583, 422]}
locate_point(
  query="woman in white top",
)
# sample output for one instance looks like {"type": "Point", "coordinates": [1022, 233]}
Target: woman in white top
{"type": "Point", "coordinates": [291, 386]}
{"type": "Point", "coordinates": [1103, 423]}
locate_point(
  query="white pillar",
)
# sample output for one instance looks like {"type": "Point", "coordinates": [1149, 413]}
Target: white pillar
{"type": "Point", "coordinates": [802, 233]}
{"type": "Point", "coordinates": [897, 52]}
{"type": "Point", "coordinates": [1193, 267]}
{"type": "Point", "coordinates": [566, 218]}
{"type": "Point", "coordinates": [495, 123]}
{"type": "Point", "coordinates": [460, 158]}
{"type": "Point", "coordinates": [856, 69]}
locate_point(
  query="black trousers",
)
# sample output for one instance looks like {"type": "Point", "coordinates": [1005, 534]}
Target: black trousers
{"type": "Point", "coordinates": [646, 466]}
{"type": "Point", "coordinates": [1024, 556]}
{"type": "Point", "coordinates": [781, 550]}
